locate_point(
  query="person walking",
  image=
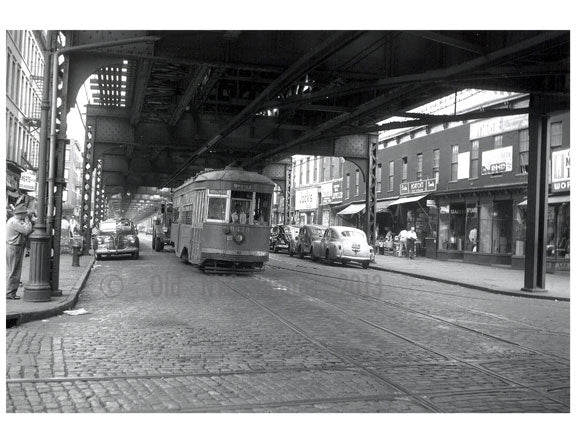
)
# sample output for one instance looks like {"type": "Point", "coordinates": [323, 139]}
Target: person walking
{"type": "Point", "coordinates": [411, 238]}
{"type": "Point", "coordinates": [402, 236]}
{"type": "Point", "coordinates": [18, 228]}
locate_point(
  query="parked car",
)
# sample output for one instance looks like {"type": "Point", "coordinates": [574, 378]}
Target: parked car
{"type": "Point", "coordinates": [306, 235]}
{"type": "Point", "coordinates": [283, 237]}
{"type": "Point", "coordinates": [116, 237]}
{"type": "Point", "coordinates": [343, 244]}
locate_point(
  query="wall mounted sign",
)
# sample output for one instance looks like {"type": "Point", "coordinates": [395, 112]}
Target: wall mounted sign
{"type": "Point", "coordinates": [560, 177]}
{"type": "Point", "coordinates": [418, 186]}
{"type": "Point", "coordinates": [497, 161]}
{"type": "Point", "coordinates": [306, 199]}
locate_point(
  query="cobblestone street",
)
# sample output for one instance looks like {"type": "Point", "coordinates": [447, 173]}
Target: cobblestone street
{"type": "Point", "coordinates": [162, 336]}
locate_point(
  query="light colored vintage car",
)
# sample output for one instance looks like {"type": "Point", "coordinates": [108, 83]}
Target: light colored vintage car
{"type": "Point", "coordinates": [343, 244]}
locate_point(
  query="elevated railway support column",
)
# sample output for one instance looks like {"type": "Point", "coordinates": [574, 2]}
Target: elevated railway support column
{"type": "Point", "coordinates": [362, 151]}
{"type": "Point", "coordinates": [537, 209]}
{"type": "Point", "coordinates": [281, 174]}
{"type": "Point", "coordinates": [87, 170]}
{"type": "Point", "coordinates": [38, 286]}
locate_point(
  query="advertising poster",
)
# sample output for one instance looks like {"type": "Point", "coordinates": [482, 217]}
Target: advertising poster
{"type": "Point", "coordinates": [307, 199]}
{"type": "Point", "coordinates": [560, 176]}
{"type": "Point", "coordinates": [497, 161]}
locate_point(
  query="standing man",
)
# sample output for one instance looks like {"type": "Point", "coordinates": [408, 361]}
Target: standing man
{"type": "Point", "coordinates": [402, 237]}
{"type": "Point", "coordinates": [18, 228]}
{"type": "Point", "coordinates": [411, 238]}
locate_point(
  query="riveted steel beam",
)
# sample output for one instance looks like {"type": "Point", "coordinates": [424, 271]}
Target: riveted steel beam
{"type": "Point", "coordinates": [142, 76]}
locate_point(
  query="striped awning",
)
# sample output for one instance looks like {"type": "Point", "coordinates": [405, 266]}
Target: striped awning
{"type": "Point", "coordinates": [403, 200]}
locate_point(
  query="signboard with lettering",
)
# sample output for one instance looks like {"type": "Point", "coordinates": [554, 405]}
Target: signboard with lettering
{"type": "Point", "coordinates": [418, 187]}
{"type": "Point", "coordinates": [326, 193]}
{"type": "Point", "coordinates": [337, 194]}
{"type": "Point", "coordinates": [560, 177]}
{"type": "Point", "coordinates": [28, 181]}
{"type": "Point", "coordinates": [497, 125]}
{"type": "Point", "coordinates": [497, 161]}
{"type": "Point", "coordinates": [306, 199]}
{"type": "Point", "coordinates": [242, 186]}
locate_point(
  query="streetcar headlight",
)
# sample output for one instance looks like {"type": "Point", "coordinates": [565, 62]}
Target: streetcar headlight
{"type": "Point", "coordinates": [239, 238]}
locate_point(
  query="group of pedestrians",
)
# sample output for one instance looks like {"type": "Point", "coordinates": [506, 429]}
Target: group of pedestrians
{"type": "Point", "coordinates": [407, 241]}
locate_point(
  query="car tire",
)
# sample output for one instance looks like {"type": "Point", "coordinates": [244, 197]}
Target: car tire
{"type": "Point", "coordinates": [97, 257]}
{"type": "Point", "coordinates": [328, 259]}
{"type": "Point", "coordinates": [135, 255]}
{"type": "Point", "coordinates": [365, 264]}
{"type": "Point", "coordinates": [275, 248]}
{"type": "Point", "coordinates": [300, 252]}
{"type": "Point", "coordinates": [153, 242]}
{"type": "Point", "coordinates": [158, 246]}
{"type": "Point", "coordinates": [345, 262]}
{"type": "Point", "coordinates": [290, 251]}
{"type": "Point", "coordinates": [312, 255]}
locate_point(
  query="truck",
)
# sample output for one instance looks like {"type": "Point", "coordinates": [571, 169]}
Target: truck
{"type": "Point", "coordinates": [162, 223]}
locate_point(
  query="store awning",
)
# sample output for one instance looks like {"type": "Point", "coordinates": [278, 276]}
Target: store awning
{"type": "Point", "coordinates": [551, 200]}
{"type": "Point", "coordinates": [403, 200]}
{"type": "Point", "coordinates": [383, 205]}
{"type": "Point", "coordinates": [354, 208]}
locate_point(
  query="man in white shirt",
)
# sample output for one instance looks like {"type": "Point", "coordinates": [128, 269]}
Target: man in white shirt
{"type": "Point", "coordinates": [402, 237]}
{"type": "Point", "coordinates": [18, 228]}
{"type": "Point", "coordinates": [411, 238]}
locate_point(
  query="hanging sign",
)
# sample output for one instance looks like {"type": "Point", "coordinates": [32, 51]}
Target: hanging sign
{"type": "Point", "coordinates": [307, 199]}
{"type": "Point", "coordinates": [497, 161]}
{"type": "Point", "coordinates": [560, 170]}
{"type": "Point", "coordinates": [28, 181]}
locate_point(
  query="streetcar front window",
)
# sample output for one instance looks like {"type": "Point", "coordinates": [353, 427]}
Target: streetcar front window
{"type": "Point", "coordinates": [262, 208]}
{"type": "Point", "coordinates": [217, 208]}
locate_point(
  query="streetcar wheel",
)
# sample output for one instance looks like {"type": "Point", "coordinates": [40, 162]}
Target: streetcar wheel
{"type": "Point", "coordinates": [365, 264]}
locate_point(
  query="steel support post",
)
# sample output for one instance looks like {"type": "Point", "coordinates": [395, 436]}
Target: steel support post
{"type": "Point", "coordinates": [38, 288]}
{"type": "Point", "coordinates": [87, 170]}
{"type": "Point", "coordinates": [537, 209]}
{"type": "Point", "coordinates": [287, 194]}
{"type": "Point", "coordinates": [371, 192]}
{"type": "Point", "coordinates": [60, 163]}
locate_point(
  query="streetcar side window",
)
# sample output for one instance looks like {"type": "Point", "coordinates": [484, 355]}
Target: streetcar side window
{"type": "Point", "coordinates": [186, 214]}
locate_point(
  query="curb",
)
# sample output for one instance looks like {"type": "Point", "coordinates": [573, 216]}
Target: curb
{"type": "Point", "coordinates": [70, 300]}
{"type": "Point", "coordinates": [472, 286]}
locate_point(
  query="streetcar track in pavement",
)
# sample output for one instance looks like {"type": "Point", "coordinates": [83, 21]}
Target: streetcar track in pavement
{"type": "Point", "coordinates": [419, 290]}
{"type": "Point", "coordinates": [404, 338]}
{"type": "Point", "coordinates": [423, 402]}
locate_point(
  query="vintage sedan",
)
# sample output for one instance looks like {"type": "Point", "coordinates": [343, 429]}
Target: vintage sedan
{"type": "Point", "coordinates": [116, 237]}
{"type": "Point", "coordinates": [343, 244]}
{"type": "Point", "coordinates": [306, 235]}
{"type": "Point", "coordinates": [283, 237]}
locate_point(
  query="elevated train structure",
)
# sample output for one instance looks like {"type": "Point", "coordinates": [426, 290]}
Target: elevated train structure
{"type": "Point", "coordinates": [169, 104]}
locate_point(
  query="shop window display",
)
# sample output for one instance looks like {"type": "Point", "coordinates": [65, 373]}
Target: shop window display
{"type": "Point", "coordinates": [485, 243]}
{"type": "Point", "coordinates": [502, 227]}
{"type": "Point", "coordinates": [452, 220]}
{"type": "Point", "coordinates": [519, 227]}
{"type": "Point", "coordinates": [472, 227]}
{"type": "Point", "coordinates": [558, 232]}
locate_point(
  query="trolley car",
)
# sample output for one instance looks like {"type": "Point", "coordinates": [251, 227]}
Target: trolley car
{"type": "Point", "coordinates": [221, 220]}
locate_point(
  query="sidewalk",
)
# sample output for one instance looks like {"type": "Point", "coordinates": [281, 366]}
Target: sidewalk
{"type": "Point", "coordinates": [497, 279]}
{"type": "Point", "coordinates": [72, 280]}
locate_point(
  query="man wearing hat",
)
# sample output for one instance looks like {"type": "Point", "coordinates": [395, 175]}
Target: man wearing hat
{"type": "Point", "coordinates": [18, 228]}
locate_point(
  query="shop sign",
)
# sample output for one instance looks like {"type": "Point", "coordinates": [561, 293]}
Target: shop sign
{"type": "Point", "coordinates": [326, 193]}
{"type": "Point", "coordinates": [307, 199]}
{"type": "Point", "coordinates": [560, 170]}
{"type": "Point", "coordinates": [497, 161]}
{"type": "Point", "coordinates": [418, 187]}
{"type": "Point", "coordinates": [28, 181]}
{"type": "Point", "coordinates": [444, 209]}
{"type": "Point", "coordinates": [242, 186]}
{"type": "Point", "coordinates": [497, 125]}
{"type": "Point", "coordinates": [430, 203]}
{"type": "Point", "coordinates": [337, 195]}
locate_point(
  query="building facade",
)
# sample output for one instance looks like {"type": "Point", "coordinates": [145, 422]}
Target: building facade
{"type": "Point", "coordinates": [464, 187]}
{"type": "Point", "coordinates": [24, 70]}
{"type": "Point", "coordinates": [72, 194]}
{"type": "Point", "coordinates": [316, 188]}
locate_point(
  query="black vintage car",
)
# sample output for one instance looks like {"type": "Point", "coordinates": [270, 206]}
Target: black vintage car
{"type": "Point", "coordinates": [283, 237]}
{"type": "Point", "coordinates": [116, 237]}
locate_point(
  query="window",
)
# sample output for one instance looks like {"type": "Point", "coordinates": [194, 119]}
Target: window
{"type": "Point", "coordinates": [404, 169]}
{"type": "Point", "coordinates": [452, 227]}
{"type": "Point", "coordinates": [315, 176]}
{"type": "Point", "coordinates": [186, 214]}
{"type": "Point", "coordinates": [391, 176]}
{"type": "Point", "coordinates": [66, 173]}
{"type": "Point", "coordinates": [474, 159]}
{"type": "Point", "coordinates": [556, 134]}
{"type": "Point", "coordinates": [436, 165]}
{"type": "Point", "coordinates": [454, 168]}
{"type": "Point", "coordinates": [308, 170]}
{"type": "Point", "coordinates": [347, 186]}
{"type": "Point", "coordinates": [379, 178]}
{"type": "Point", "coordinates": [497, 141]}
{"type": "Point", "coordinates": [64, 196]}
{"type": "Point", "coordinates": [523, 148]}
{"type": "Point", "coordinates": [67, 154]}
{"type": "Point", "coordinates": [331, 168]}
{"type": "Point", "coordinates": [357, 182]}
{"type": "Point", "coordinates": [419, 165]}
{"type": "Point", "coordinates": [217, 208]}
{"type": "Point", "coordinates": [300, 172]}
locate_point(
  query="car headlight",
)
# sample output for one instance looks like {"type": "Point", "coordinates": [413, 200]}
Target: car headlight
{"type": "Point", "coordinates": [131, 238]}
{"type": "Point", "coordinates": [165, 230]}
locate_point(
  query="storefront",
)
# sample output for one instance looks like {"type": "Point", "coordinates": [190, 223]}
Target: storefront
{"type": "Point", "coordinates": [479, 227]}
{"type": "Point", "coordinates": [307, 206]}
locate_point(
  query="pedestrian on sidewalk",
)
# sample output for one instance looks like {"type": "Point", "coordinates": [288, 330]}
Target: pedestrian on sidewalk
{"type": "Point", "coordinates": [411, 238]}
{"type": "Point", "coordinates": [402, 237]}
{"type": "Point", "coordinates": [18, 228]}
